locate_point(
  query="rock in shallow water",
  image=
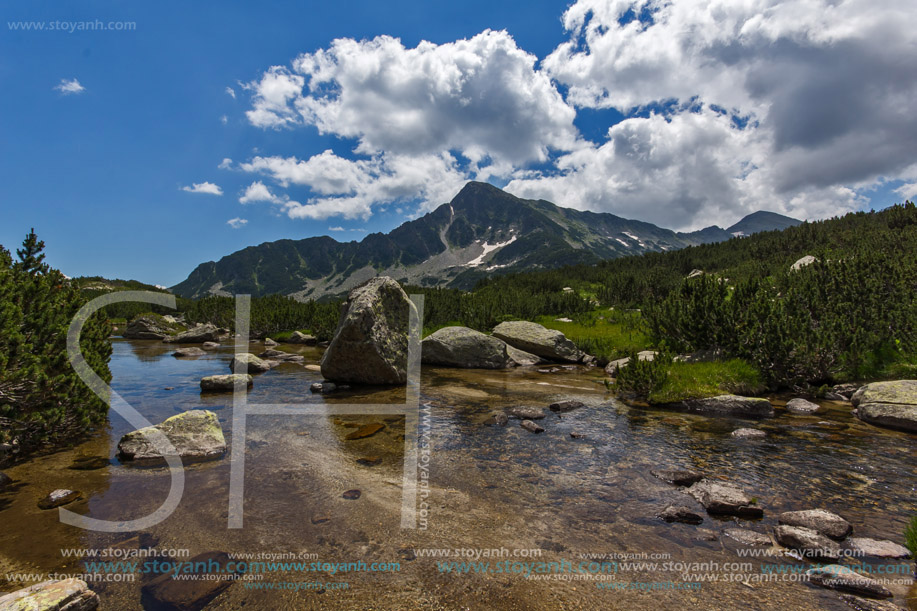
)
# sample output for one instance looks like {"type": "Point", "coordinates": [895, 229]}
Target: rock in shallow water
{"type": "Point", "coordinates": [225, 383]}
{"type": "Point", "coordinates": [731, 405]}
{"type": "Point", "coordinates": [367, 430]}
{"type": "Point", "coordinates": [680, 513]}
{"type": "Point", "coordinates": [749, 434]}
{"type": "Point", "coordinates": [196, 435]}
{"type": "Point", "coordinates": [58, 498]}
{"type": "Point", "coordinates": [678, 477]}
{"type": "Point", "coordinates": [748, 537]}
{"type": "Point", "coordinates": [188, 352]}
{"type": "Point", "coordinates": [801, 406]}
{"type": "Point", "coordinates": [843, 578]}
{"type": "Point", "coordinates": [566, 406]}
{"type": "Point", "coordinates": [820, 520]}
{"type": "Point", "coordinates": [808, 542]}
{"type": "Point", "coordinates": [370, 345]}
{"type": "Point", "coordinates": [531, 427]}
{"type": "Point", "coordinates": [249, 363]}
{"type": "Point", "coordinates": [889, 404]}
{"type": "Point", "coordinates": [864, 604]}
{"type": "Point", "coordinates": [464, 347]}
{"type": "Point", "coordinates": [876, 548]}
{"type": "Point", "coordinates": [167, 592]}
{"type": "Point", "coordinates": [526, 413]}
{"type": "Point", "coordinates": [52, 595]}
{"type": "Point", "coordinates": [720, 498]}
{"type": "Point", "coordinates": [197, 335]}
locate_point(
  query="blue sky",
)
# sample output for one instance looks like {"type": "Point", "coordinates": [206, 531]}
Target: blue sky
{"type": "Point", "coordinates": [521, 94]}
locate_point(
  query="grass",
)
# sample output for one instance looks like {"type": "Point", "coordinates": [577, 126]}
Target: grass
{"type": "Point", "coordinates": [283, 336]}
{"type": "Point", "coordinates": [699, 380]}
{"type": "Point", "coordinates": [604, 333]}
{"type": "Point", "coordinates": [910, 537]}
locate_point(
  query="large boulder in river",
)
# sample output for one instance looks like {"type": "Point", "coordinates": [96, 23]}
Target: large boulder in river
{"type": "Point", "coordinates": [150, 326]}
{"type": "Point", "coordinates": [889, 404]}
{"type": "Point", "coordinates": [197, 335]}
{"type": "Point", "coordinates": [53, 595]}
{"type": "Point", "coordinates": [196, 436]}
{"type": "Point", "coordinates": [731, 405]}
{"type": "Point", "coordinates": [225, 383]}
{"type": "Point", "coordinates": [538, 340]}
{"type": "Point", "coordinates": [299, 337]}
{"type": "Point", "coordinates": [464, 347]}
{"type": "Point", "coordinates": [810, 543]}
{"type": "Point", "coordinates": [370, 345]}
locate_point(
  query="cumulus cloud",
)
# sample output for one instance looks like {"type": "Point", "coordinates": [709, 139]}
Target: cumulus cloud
{"type": "Point", "coordinates": [258, 192]}
{"type": "Point", "coordinates": [352, 188]}
{"type": "Point", "coordinates": [237, 223]}
{"type": "Point", "coordinates": [69, 87]}
{"type": "Point", "coordinates": [481, 97]}
{"type": "Point", "coordinates": [796, 106]}
{"type": "Point", "coordinates": [225, 164]}
{"type": "Point", "coordinates": [231, 92]}
{"type": "Point", "coordinates": [204, 187]}
{"type": "Point", "coordinates": [812, 97]}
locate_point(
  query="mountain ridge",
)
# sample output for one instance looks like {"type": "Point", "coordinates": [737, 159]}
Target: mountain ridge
{"type": "Point", "coordinates": [482, 231]}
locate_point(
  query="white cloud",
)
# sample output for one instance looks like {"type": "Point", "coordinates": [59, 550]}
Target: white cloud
{"type": "Point", "coordinates": [224, 119]}
{"type": "Point", "coordinates": [237, 223]}
{"type": "Point", "coordinates": [336, 229]}
{"type": "Point", "coordinates": [796, 106]}
{"type": "Point", "coordinates": [820, 83]}
{"type": "Point", "coordinates": [225, 164]}
{"type": "Point", "coordinates": [351, 188]}
{"type": "Point", "coordinates": [204, 187]}
{"type": "Point", "coordinates": [231, 92]}
{"type": "Point", "coordinates": [258, 192]}
{"type": "Point", "coordinates": [481, 97]}
{"type": "Point", "coordinates": [70, 87]}
{"type": "Point", "coordinates": [908, 191]}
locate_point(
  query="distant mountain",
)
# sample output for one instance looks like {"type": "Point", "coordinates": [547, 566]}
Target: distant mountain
{"type": "Point", "coordinates": [762, 221]}
{"type": "Point", "coordinates": [482, 231]}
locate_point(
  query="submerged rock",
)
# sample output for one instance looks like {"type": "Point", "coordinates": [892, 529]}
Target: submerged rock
{"type": "Point", "coordinates": [196, 436]}
{"type": "Point", "coordinates": [464, 347]}
{"type": "Point", "coordinates": [822, 521]}
{"type": "Point", "coordinates": [843, 578]}
{"type": "Point", "coordinates": [89, 463]}
{"type": "Point", "coordinates": [210, 345]}
{"type": "Point", "coordinates": [197, 335]}
{"type": "Point", "coordinates": [889, 404]}
{"type": "Point", "coordinates": [352, 495]}
{"type": "Point", "coordinates": [250, 363]}
{"type": "Point", "coordinates": [497, 419]}
{"type": "Point", "coordinates": [731, 405]}
{"type": "Point", "coordinates": [876, 548]}
{"type": "Point", "coordinates": [52, 595]}
{"type": "Point", "coordinates": [801, 406]}
{"type": "Point", "coordinates": [864, 604]}
{"type": "Point", "coordinates": [749, 434]}
{"type": "Point", "coordinates": [370, 345]}
{"type": "Point", "coordinates": [225, 383]}
{"type": "Point", "coordinates": [748, 537]}
{"type": "Point", "coordinates": [680, 513]}
{"type": "Point", "coordinates": [538, 340]}
{"type": "Point", "coordinates": [167, 592]}
{"type": "Point", "coordinates": [367, 430]}
{"type": "Point", "coordinates": [808, 542]}
{"type": "Point", "coordinates": [59, 497]}
{"type": "Point", "coordinates": [526, 413]}
{"type": "Point", "coordinates": [678, 477]}
{"type": "Point", "coordinates": [720, 498]}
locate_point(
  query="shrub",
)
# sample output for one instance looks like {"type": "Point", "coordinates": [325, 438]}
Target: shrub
{"type": "Point", "coordinates": [42, 400]}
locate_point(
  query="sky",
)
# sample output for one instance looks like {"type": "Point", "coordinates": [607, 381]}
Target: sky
{"type": "Point", "coordinates": [141, 139]}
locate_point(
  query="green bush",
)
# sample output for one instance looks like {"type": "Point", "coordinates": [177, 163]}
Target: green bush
{"type": "Point", "coordinates": [699, 380]}
{"type": "Point", "coordinates": [642, 378]}
{"type": "Point", "coordinates": [42, 401]}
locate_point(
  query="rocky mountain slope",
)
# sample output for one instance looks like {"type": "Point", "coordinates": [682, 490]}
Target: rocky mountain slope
{"type": "Point", "coordinates": [482, 231]}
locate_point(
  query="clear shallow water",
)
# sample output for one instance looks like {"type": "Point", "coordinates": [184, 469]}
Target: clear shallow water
{"type": "Point", "coordinates": [491, 487]}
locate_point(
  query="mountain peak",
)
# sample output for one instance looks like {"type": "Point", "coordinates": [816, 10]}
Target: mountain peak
{"type": "Point", "coordinates": [762, 220]}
